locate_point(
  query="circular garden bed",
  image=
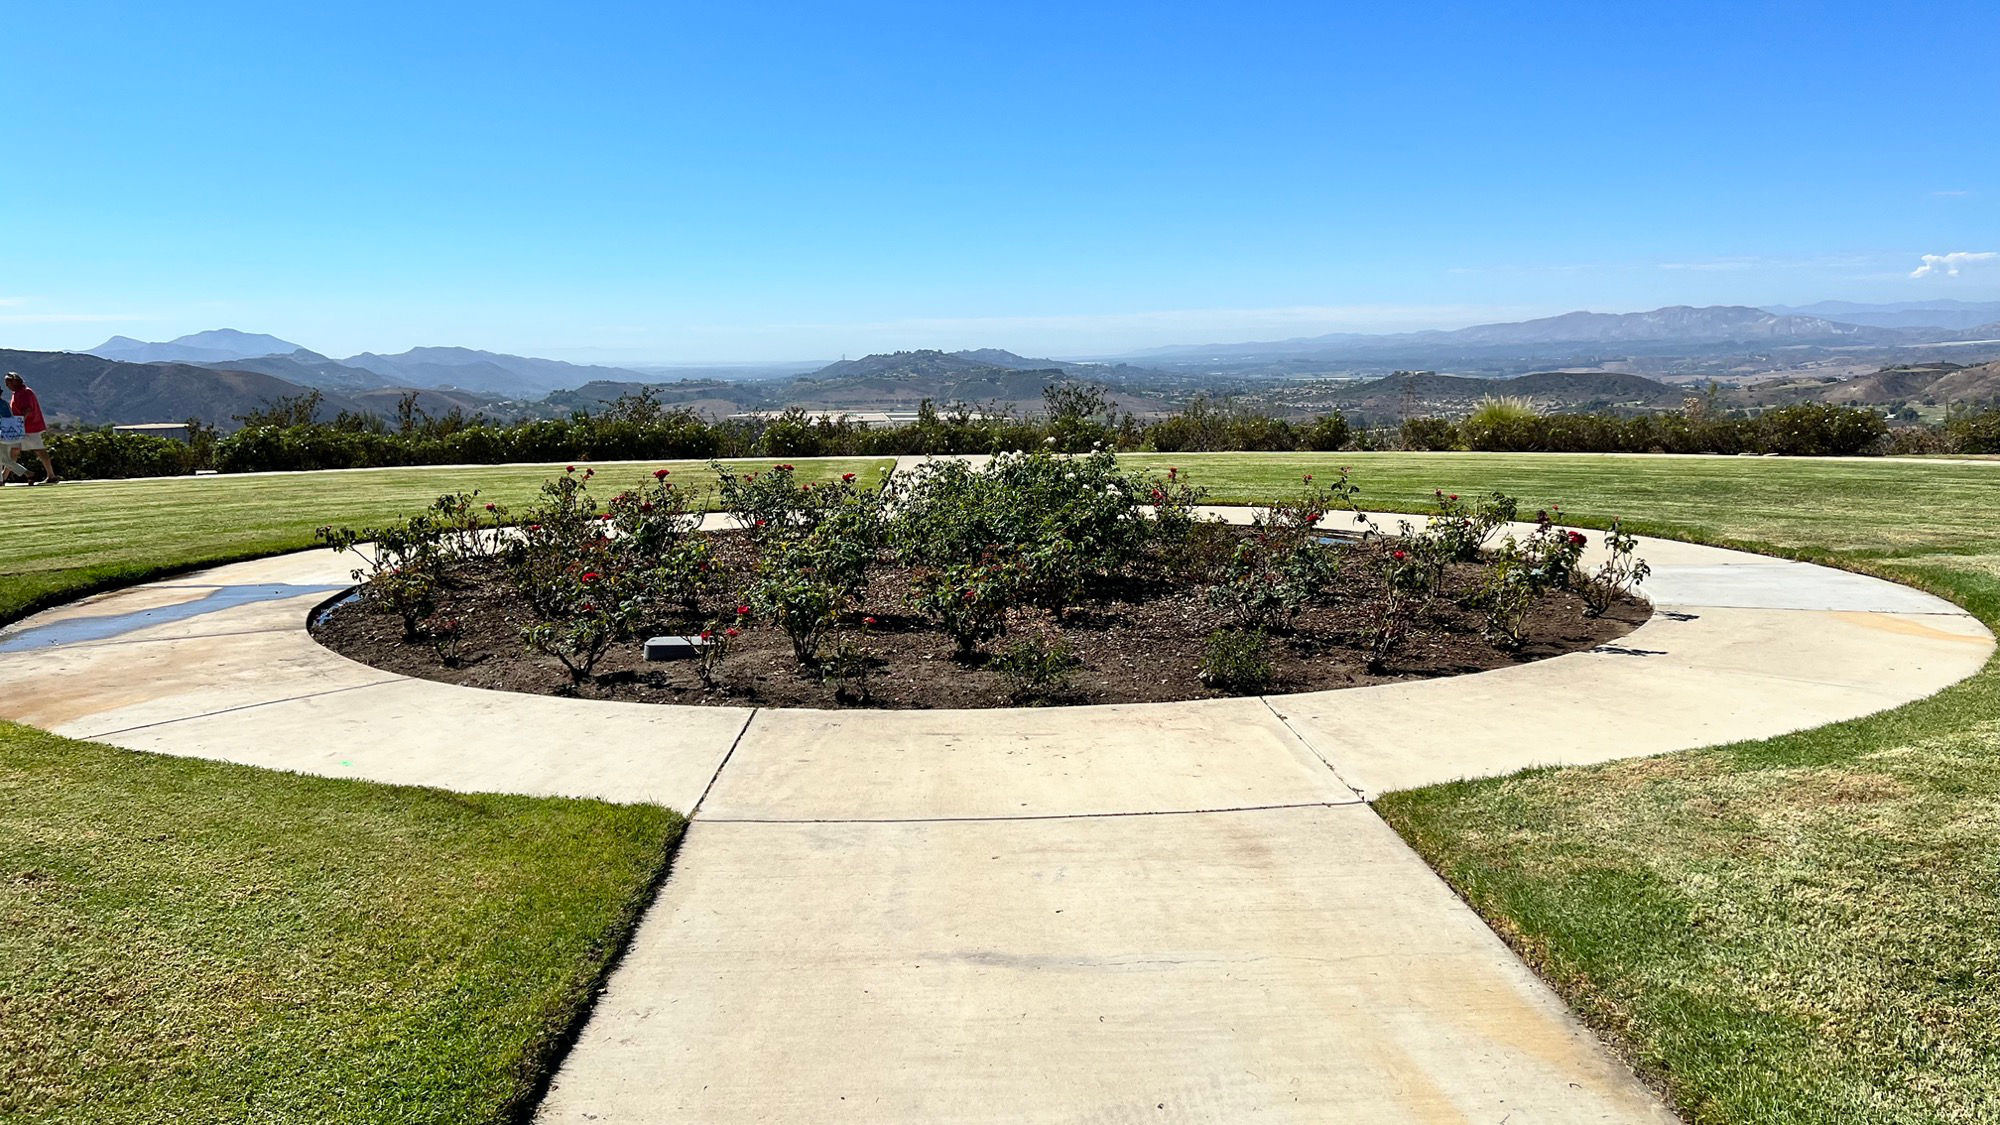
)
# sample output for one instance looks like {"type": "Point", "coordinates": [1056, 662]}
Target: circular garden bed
{"type": "Point", "coordinates": [1035, 580]}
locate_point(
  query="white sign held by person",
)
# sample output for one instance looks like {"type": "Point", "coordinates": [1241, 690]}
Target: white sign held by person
{"type": "Point", "coordinates": [12, 430]}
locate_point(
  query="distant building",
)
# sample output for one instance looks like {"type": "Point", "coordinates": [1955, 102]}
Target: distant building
{"type": "Point", "coordinates": [175, 430]}
{"type": "Point", "coordinates": [863, 418]}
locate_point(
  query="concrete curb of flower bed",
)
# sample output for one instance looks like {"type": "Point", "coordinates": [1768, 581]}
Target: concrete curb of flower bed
{"type": "Point", "coordinates": [1742, 646]}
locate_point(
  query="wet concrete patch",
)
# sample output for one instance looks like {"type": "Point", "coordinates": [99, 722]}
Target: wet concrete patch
{"type": "Point", "coordinates": [85, 630]}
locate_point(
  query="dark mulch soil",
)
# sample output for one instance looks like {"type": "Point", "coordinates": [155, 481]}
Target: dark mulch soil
{"type": "Point", "coordinates": [1142, 643]}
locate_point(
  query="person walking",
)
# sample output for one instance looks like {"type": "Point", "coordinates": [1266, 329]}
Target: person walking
{"type": "Point", "coordinates": [23, 404]}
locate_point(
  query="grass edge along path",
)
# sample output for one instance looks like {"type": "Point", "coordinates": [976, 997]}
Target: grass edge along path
{"type": "Point", "coordinates": [182, 939]}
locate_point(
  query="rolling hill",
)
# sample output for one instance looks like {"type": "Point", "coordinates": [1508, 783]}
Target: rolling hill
{"type": "Point", "coordinates": [509, 376]}
{"type": "Point", "coordinates": [79, 387]}
{"type": "Point", "coordinates": [490, 373]}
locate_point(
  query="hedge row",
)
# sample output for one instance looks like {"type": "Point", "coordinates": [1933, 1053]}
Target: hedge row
{"type": "Point", "coordinates": [1801, 430]}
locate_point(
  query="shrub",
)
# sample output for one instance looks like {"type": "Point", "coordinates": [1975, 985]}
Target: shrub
{"type": "Point", "coordinates": [1235, 659]}
{"type": "Point", "coordinates": [580, 637]}
{"type": "Point", "coordinates": [106, 454]}
{"type": "Point", "coordinates": [1060, 522]}
{"type": "Point", "coordinates": [1326, 433]}
{"type": "Point", "coordinates": [1619, 574]}
{"type": "Point", "coordinates": [1817, 429]}
{"type": "Point", "coordinates": [1406, 589]}
{"type": "Point", "coordinates": [404, 569]}
{"type": "Point", "coordinates": [1282, 563]}
{"type": "Point", "coordinates": [560, 538]}
{"type": "Point", "coordinates": [1428, 434]}
{"type": "Point", "coordinates": [1507, 593]}
{"type": "Point", "coordinates": [1035, 668]}
{"type": "Point", "coordinates": [798, 597]}
{"type": "Point", "coordinates": [848, 666]}
{"type": "Point", "coordinates": [1507, 423]}
{"type": "Point", "coordinates": [1175, 517]}
{"type": "Point", "coordinates": [1974, 432]}
{"type": "Point", "coordinates": [716, 639]}
{"type": "Point", "coordinates": [1551, 553]}
{"type": "Point", "coordinates": [1462, 527]}
{"type": "Point", "coordinates": [968, 600]}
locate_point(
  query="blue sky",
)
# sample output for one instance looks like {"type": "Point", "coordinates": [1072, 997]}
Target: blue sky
{"type": "Point", "coordinates": [769, 181]}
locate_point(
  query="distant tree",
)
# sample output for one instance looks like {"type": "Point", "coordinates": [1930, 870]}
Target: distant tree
{"type": "Point", "coordinates": [289, 410]}
{"type": "Point", "coordinates": [641, 406]}
{"type": "Point", "coordinates": [1075, 402]}
{"type": "Point", "coordinates": [409, 416]}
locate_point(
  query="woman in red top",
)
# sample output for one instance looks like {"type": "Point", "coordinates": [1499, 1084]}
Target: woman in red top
{"type": "Point", "coordinates": [22, 403]}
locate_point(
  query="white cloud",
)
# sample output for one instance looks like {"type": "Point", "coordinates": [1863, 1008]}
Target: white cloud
{"type": "Point", "coordinates": [1950, 264]}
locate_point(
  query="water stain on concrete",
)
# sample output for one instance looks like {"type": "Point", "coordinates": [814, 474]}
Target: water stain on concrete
{"type": "Point", "coordinates": [84, 630]}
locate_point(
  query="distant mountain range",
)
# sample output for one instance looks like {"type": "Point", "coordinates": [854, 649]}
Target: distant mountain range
{"type": "Point", "coordinates": [491, 373]}
{"type": "Point", "coordinates": [200, 347]}
{"type": "Point", "coordinates": [1678, 325]}
{"type": "Point", "coordinates": [223, 373]}
{"type": "Point", "coordinates": [1944, 314]}
{"type": "Point", "coordinates": [80, 387]}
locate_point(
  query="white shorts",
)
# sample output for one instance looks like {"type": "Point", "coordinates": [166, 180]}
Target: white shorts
{"type": "Point", "coordinates": [32, 441]}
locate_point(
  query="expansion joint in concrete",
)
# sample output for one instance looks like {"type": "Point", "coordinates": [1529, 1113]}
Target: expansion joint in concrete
{"type": "Point", "coordinates": [241, 707]}
{"type": "Point", "coordinates": [1295, 732]}
{"type": "Point", "coordinates": [724, 763]}
{"type": "Point", "coordinates": [1028, 816]}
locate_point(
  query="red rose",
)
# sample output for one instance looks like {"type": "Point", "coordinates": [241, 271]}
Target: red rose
{"type": "Point", "coordinates": [591, 576]}
{"type": "Point", "coordinates": [1308, 478]}
{"type": "Point", "coordinates": [489, 507]}
{"type": "Point", "coordinates": [1400, 556]}
{"type": "Point", "coordinates": [742, 611]}
{"type": "Point", "coordinates": [705, 634]}
{"type": "Point", "coordinates": [1454, 496]}
{"type": "Point", "coordinates": [534, 527]}
{"type": "Point", "coordinates": [569, 468]}
{"type": "Point", "coordinates": [660, 474]}
{"type": "Point", "coordinates": [847, 478]}
{"type": "Point", "coordinates": [732, 631]}
{"type": "Point", "coordinates": [868, 621]}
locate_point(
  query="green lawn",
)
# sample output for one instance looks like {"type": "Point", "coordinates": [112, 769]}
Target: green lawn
{"type": "Point", "coordinates": [189, 941]}
{"type": "Point", "coordinates": [1800, 930]}
{"type": "Point", "coordinates": [58, 543]}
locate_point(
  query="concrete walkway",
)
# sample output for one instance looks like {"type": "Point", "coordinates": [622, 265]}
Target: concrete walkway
{"type": "Point", "coordinates": [1155, 912]}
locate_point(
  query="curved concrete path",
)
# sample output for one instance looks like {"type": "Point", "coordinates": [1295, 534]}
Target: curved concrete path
{"type": "Point", "coordinates": [1157, 912]}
